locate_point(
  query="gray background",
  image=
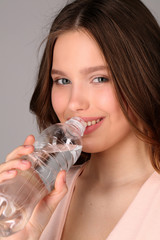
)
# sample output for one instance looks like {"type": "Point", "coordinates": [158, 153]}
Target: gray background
{"type": "Point", "coordinates": [23, 25]}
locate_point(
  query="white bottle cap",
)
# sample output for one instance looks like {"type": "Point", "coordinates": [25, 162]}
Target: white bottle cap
{"type": "Point", "coordinates": [79, 123]}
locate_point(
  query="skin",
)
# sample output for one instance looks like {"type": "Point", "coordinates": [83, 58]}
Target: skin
{"type": "Point", "coordinates": [89, 95]}
{"type": "Point", "coordinates": [84, 96]}
{"type": "Point", "coordinates": [119, 163]}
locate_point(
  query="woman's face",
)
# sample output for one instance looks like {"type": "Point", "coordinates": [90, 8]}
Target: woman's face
{"type": "Point", "coordinates": [82, 87]}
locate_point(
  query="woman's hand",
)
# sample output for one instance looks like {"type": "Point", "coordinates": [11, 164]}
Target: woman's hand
{"type": "Point", "coordinates": [45, 208]}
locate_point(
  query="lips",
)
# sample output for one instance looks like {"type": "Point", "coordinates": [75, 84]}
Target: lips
{"type": "Point", "coordinates": [92, 124]}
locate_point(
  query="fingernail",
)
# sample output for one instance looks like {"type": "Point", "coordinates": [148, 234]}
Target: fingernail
{"type": "Point", "coordinates": [27, 146]}
{"type": "Point", "coordinates": [11, 171]}
{"type": "Point", "coordinates": [25, 162]}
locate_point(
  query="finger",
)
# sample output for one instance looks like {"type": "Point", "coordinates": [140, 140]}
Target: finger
{"type": "Point", "coordinates": [60, 181]}
{"type": "Point", "coordinates": [7, 175]}
{"type": "Point", "coordinates": [9, 170]}
{"type": "Point", "coordinates": [29, 140]}
{"type": "Point", "coordinates": [22, 150]}
{"type": "Point", "coordinates": [15, 164]}
{"type": "Point", "coordinates": [59, 191]}
{"type": "Point", "coordinates": [19, 152]}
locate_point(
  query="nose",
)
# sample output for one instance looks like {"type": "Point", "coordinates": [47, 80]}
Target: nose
{"type": "Point", "coordinates": [79, 99]}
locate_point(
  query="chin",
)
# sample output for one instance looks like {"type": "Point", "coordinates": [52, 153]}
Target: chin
{"type": "Point", "coordinates": [91, 150]}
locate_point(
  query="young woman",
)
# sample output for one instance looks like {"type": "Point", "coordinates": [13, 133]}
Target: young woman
{"type": "Point", "coordinates": [101, 63]}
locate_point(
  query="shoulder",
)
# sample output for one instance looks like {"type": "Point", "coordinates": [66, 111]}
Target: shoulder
{"type": "Point", "coordinates": [149, 209]}
{"type": "Point", "coordinates": [152, 186]}
{"type": "Point", "coordinates": [154, 179]}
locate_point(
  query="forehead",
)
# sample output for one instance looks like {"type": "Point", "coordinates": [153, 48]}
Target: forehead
{"type": "Point", "coordinates": [77, 46]}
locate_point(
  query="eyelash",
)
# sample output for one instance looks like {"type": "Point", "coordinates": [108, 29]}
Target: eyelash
{"type": "Point", "coordinates": [104, 78]}
{"type": "Point", "coordinates": [57, 81]}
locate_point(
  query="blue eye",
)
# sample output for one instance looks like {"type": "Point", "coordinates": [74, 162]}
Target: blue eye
{"type": "Point", "coordinates": [62, 81]}
{"type": "Point", "coordinates": [100, 80]}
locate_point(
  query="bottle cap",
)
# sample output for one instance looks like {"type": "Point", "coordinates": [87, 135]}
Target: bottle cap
{"type": "Point", "coordinates": [78, 123]}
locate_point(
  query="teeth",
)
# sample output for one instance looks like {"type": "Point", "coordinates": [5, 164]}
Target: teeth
{"type": "Point", "coordinates": [90, 123]}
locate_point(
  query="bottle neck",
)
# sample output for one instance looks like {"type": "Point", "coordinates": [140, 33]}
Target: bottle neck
{"type": "Point", "coordinates": [78, 124]}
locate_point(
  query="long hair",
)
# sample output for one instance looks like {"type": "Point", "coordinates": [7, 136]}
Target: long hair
{"type": "Point", "coordinates": [129, 37]}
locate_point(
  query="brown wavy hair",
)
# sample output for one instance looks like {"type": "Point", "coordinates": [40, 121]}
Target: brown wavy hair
{"type": "Point", "coordinates": [129, 37]}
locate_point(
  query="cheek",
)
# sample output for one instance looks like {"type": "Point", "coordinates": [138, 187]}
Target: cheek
{"type": "Point", "coordinates": [106, 100]}
{"type": "Point", "coordinates": [58, 103]}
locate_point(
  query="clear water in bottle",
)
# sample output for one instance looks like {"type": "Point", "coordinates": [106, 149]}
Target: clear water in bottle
{"type": "Point", "coordinates": [31, 185]}
{"type": "Point", "coordinates": [58, 147]}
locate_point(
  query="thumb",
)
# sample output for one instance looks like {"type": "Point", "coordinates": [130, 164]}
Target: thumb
{"type": "Point", "coordinates": [59, 191]}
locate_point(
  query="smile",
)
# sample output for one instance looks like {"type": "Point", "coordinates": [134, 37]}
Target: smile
{"type": "Point", "coordinates": [90, 123]}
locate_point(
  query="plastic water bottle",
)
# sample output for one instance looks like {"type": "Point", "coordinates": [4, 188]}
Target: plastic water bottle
{"type": "Point", "coordinates": [58, 147]}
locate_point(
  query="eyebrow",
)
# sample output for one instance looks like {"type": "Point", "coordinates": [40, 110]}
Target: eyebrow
{"type": "Point", "coordinates": [83, 71]}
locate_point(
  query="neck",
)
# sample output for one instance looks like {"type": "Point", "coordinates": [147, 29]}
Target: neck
{"type": "Point", "coordinates": [126, 162]}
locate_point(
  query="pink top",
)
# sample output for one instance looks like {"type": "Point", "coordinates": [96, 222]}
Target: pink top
{"type": "Point", "coordinates": [141, 221]}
